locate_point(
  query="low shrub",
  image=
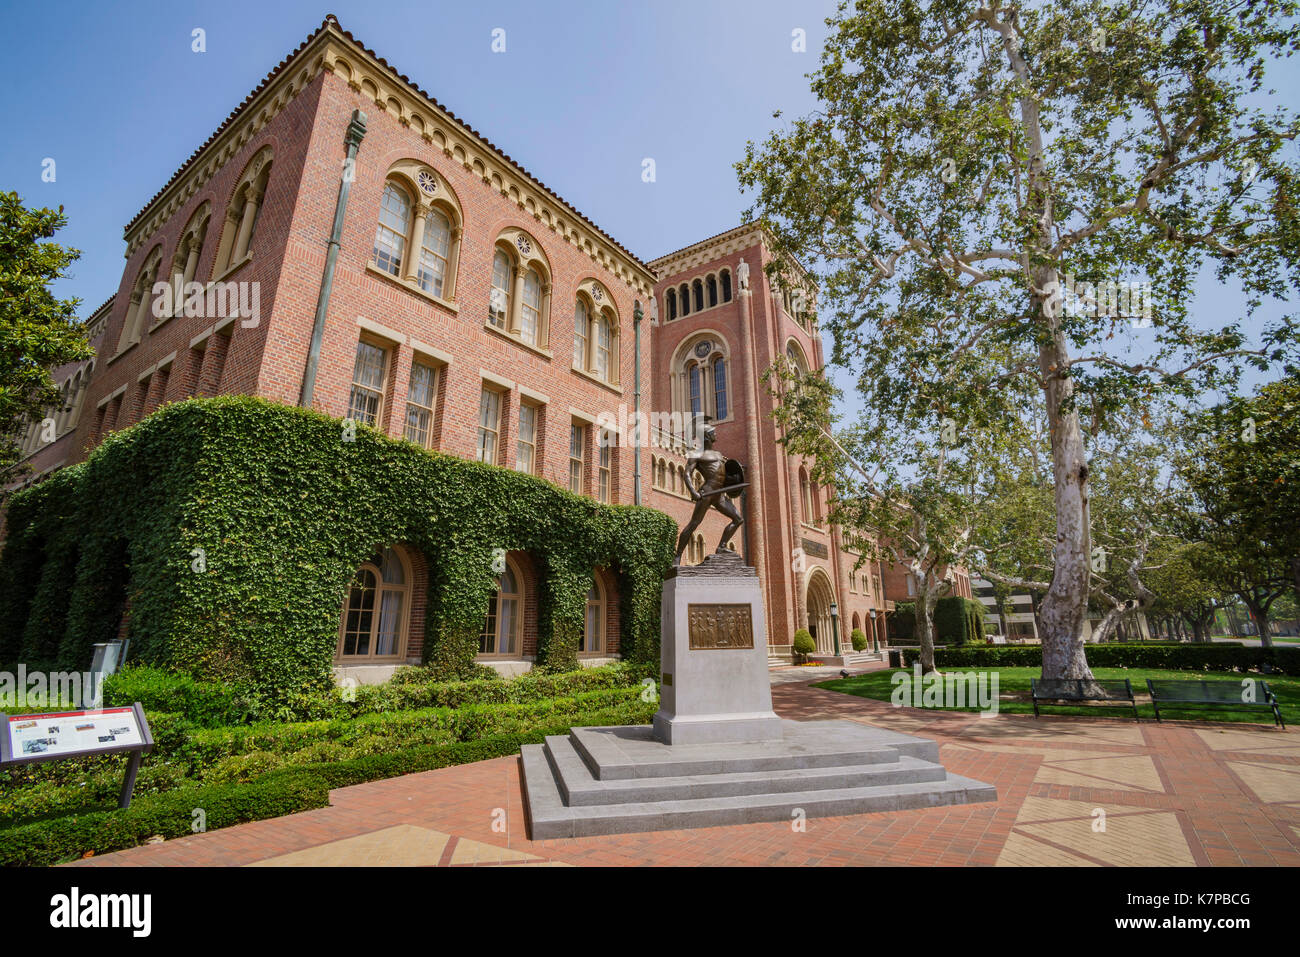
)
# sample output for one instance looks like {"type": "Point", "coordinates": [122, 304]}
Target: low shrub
{"type": "Point", "coordinates": [209, 704]}
{"type": "Point", "coordinates": [286, 790]}
{"type": "Point", "coordinates": [803, 643]}
{"type": "Point", "coordinates": [43, 843]}
{"type": "Point", "coordinates": [859, 640]}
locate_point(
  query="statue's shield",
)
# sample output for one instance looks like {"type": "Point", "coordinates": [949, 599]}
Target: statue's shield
{"type": "Point", "coordinates": [734, 473]}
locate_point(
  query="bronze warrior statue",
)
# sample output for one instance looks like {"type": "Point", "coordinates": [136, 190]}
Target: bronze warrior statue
{"type": "Point", "coordinates": [723, 479]}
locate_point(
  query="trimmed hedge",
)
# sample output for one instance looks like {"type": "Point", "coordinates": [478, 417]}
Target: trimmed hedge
{"type": "Point", "coordinates": [44, 843]}
{"type": "Point", "coordinates": [211, 704]}
{"type": "Point", "coordinates": [285, 791]}
{"type": "Point", "coordinates": [235, 524]}
{"type": "Point", "coordinates": [1188, 657]}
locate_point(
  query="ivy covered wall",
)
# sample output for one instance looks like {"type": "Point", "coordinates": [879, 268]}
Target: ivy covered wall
{"type": "Point", "coordinates": [228, 529]}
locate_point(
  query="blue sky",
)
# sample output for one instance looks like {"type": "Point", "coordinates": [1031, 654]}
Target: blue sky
{"type": "Point", "coordinates": [585, 91]}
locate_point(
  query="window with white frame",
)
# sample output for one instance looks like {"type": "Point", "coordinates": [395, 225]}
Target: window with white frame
{"type": "Point", "coordinates": [526, 445]}
{"type": "Point", "coordinates": [489, 425]}
{"type": "Point", "coordinates": [577, 439]}
{"type": "Point", "coordinates": [421, 398]}
{"type": "Point", "coordinates": [390, 233]}
{"type": "Point", "coordinates": [369, 374]}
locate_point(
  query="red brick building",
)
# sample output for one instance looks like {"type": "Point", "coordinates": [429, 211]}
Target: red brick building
{"type": "Point", "coordinates": [466, 307]}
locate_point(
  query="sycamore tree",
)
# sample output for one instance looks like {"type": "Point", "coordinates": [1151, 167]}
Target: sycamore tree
{"type": "Point", "coordinates": [37, 331]}
{"type": "Point", "coordinates": [1183, 581]}
{"type": "Point", "coordinates": [1240, 468]}
{"type": "Point", "coordinates": [1014, 168]}
{"type": "Point", "coordinates": [910, 484]}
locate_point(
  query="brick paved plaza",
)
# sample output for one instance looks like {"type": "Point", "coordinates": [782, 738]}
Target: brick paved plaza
{"type": "Point", "coordinates": [1179, 793]}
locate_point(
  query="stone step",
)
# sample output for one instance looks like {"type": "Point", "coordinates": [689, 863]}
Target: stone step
{"type": "Point", "coordinates": [578, 787]}
{"type": "Point", "coordinates": [551, 818]}
{"type": "Point", "coordinates": [628, 752]}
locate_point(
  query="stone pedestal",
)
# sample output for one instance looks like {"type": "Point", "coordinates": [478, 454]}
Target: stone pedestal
{"type": "Point", "coordinates": [717, 754]}
{"type": "Point", "coordinates": [716, 685]}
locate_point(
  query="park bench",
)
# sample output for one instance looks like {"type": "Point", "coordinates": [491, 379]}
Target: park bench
{"type": "Point", "coordinates": [1196, 693]}
{"type": "Point", "coordinates": [1072, 690]}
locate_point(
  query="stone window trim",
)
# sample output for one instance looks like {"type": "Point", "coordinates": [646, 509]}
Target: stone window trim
{"type": "Point", "coordinates": [407, 176]}
{"type": "Point", "coordinates": [185, 259]}
{"type": "Point", "coordinates": [139, 305]}
{"type": "Point", "coordinates": [685, 359]}
{"type": "Point", "coordinates": [529, 275]}
{"type": "Point", "coordinates": [239, 227]}
{"type": "Point", "coordinates": [716, 288]}
{"type": "Point", "coordinates": [601, 336]}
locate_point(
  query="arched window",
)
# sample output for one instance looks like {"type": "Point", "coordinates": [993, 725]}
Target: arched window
{"type": "Point", "coordinates": [726, 285]}
{"type": "Point", "coordinates": [671, 308]}
{"type": "Point", "coordinates": [185, 262]}
{"type": "Point", "coordinates": [520, 303]}
{"type": "Point", "coordinates": [581, 333]}
{"type": "Point", "coordinates": [435, 253]}
{"type": "Point", "coordinates": [701, 381]}
{"type": "Point", "coordinates": [499, 304]}
{"type": "Point", "coordinates": [530, 318]}
{"type": "Point", "coordinates": [684, 293]}
{"type": "Point", "coordinates": [713, 290]}
{"type": "Point", "coordinates": [699, 295]}
{"type": "Point", "coordinates": [720, 387]}
{"type": "Point", "coordinates": [390, 234]}
{"type": "Point", "coordinates": [376, 609]}
{"type": "Point", "coordinates": [501, 628]}
{"type": "Point", "coordinates": [140, 306]}
{"type": "Point", "coordinates": [806, 497]}
{"type": "Point", "coordinates": [593, 631]}
{"type": "Point", "coordinates": [242, 214]}
{"type": "Point", "coordinates": [604, 348]}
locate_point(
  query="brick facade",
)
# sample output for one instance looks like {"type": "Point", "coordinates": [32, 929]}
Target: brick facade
{"type": "Point", "coordinates": [298, 118]}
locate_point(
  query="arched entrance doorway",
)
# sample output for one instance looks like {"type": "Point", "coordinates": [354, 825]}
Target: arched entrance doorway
{"type": "Point", "coordinates": [819, 611]}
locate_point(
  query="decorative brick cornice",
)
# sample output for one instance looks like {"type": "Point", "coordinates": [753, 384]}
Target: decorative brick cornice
{"type": "Point", "coordinates": [333, 49]}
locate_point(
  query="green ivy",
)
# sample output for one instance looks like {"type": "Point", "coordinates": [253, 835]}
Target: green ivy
{"type": "Point", "coordinates": [282, 508]}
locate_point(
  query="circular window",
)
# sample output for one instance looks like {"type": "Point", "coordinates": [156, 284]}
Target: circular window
{"type": "Point", "coordinates": [703, 348]}
{"type": "Point", "coordinates": [428, 182]}
{"type": "Point", "coordinates": [524, 245]}
{"type": "Point", "coordinates": [597, 293]}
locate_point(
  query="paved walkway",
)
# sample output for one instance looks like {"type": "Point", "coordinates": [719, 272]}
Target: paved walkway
{"type": "Point", "coordinates": [1071, 791]}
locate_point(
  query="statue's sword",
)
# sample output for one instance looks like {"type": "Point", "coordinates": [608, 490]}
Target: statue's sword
{"type": "Point", "coordinates": [723, 491]}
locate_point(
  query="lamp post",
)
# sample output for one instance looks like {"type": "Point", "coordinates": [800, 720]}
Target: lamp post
{"type": "Point", "coordinates": [835, 626]}
{"type": "Point", "coordinates": [875, 641]}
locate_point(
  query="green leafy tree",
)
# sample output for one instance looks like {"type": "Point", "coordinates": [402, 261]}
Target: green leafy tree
{"type": "Point", "coordinates": [910, 482]}
{"type": "Point", "coordinates": [1241, 468]}
{"type": "Point", "coordinates": [968, 161]}
{"type": "Point", "coordinates": [38, 332]}
{"type": "Point", "coordinates": [1182, 580]}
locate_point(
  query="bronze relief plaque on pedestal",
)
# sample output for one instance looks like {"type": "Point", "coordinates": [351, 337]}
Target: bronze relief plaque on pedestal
{"type": "Point", "coordinates": [718, 627]}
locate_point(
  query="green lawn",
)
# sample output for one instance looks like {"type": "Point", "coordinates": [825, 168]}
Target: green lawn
{"type": "Point", "coordinates": [1013, 693]}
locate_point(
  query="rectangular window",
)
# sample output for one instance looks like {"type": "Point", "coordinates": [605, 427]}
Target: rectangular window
{"type": "Point", "coordinates": [489, 425]}
{"type": "Point", "coordinates": [526, 453]}
{"type": "Point", "coordinates": [577, 438]}
{"type": "Point", "coordinates": [420, 398]}
{"type": "Point", "coordinates": [606, 461]}
{"type": "Point", "coordinates": [368, 374]}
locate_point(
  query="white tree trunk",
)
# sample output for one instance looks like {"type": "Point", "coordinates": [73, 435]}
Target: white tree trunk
{"type": "Point", "coordinates": [1064, 610]}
